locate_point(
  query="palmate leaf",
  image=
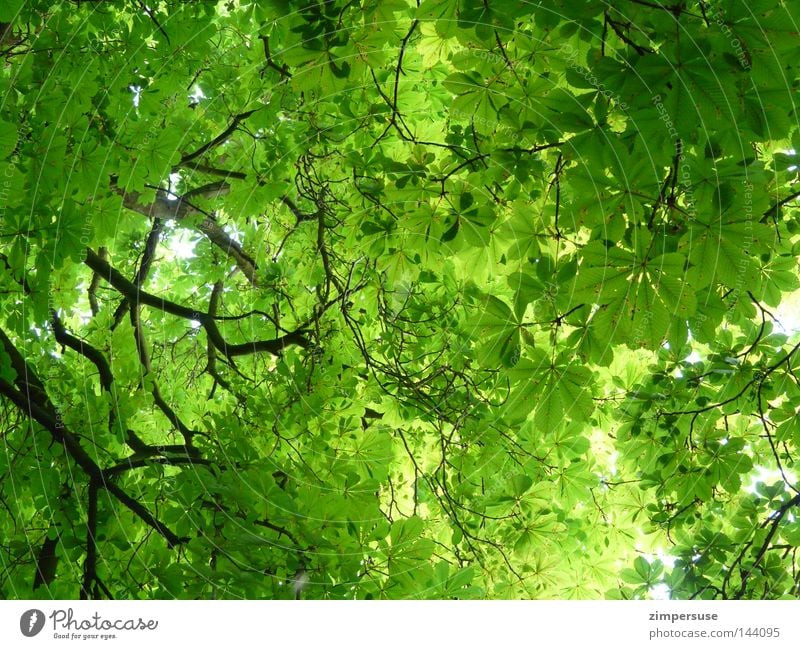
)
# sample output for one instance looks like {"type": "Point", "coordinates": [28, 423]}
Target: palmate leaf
{"type": "Point", "coordinates": [555, 393]}
{"type": "Point", "coordinates": [567, 393]}
{"type": "Point", "coordinates": [527, 289]}
{"type": "Point", "coordinates": [603, 272]}
{"type": "Point", "coordinates": [527, 380]}
{"type": "Point", "coordinates": [549, 414]}
{"type": "Point", "coordinates": [543, 529]}
{"type": "Point", "coordinates": [776, 279]}
{"type": "Point", "coordinates": [637, 296]}
{"type": "Point", "coordinates": [521, 233]}
{"type": "Point", "coordinates": [496, 333]}
{"type": "Point", "coordinates": [715, 251]}
{"type": "Point", "coordinates": [10, 10]}
{"type": "Point", "coordinates": [592, 345]}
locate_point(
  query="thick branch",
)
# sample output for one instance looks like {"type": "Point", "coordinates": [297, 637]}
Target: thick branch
{"type": "Point", "coordinates": [26, 381]}
{"type": "Point", "coordinates": [283, 71]}
{"type": "Point", "coordinates": [141, 511]}
{"type": "Point", "coordinates": [211, 366]}
{"type": "Point", "coordinates": [32, 399]}
{"type": "Point", "coordinates": [84, 349]}
{"type": "Point", "coordinates": [119, 282]}
{"type": "Point", "coordinates": [212, 171]}
{"type": "Point", "coordinates": [168, 206]}
{"type": "Point", "coordinates": [162, 208]}
{"type": "Point", "coordinates": [103, 368]}
{"type": "Point", "coordinates": [298, 214]}
{"type": "Point", "coordinates": [772, 212]}
{"type": "Point", "coordinates": [46, 560]}
{"type": "Point", "coordinates": [223, 241]}
{"type": "Point", "coordinates": [140, 462]}
{"type": "Point", "coordinates": [48, 420]}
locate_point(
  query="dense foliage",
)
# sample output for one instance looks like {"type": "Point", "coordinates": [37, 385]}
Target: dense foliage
{"type": "Point", "coordinates": [389, 299]}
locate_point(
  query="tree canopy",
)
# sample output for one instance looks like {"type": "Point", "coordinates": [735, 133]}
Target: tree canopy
{"type": "Point", "coordinates": [399, 299]}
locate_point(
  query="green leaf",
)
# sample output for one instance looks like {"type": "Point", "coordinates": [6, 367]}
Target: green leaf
{"type": "Point", "coordinates": [520, 484]}
{"type": "Point", "coordinates": [10, 9]}
{"type": "Point", "coordinates": [8, 138]}
{"type": "Point", "coordinates": [496, 332]}
{"type": "Point", "coordinates": [7, 372]}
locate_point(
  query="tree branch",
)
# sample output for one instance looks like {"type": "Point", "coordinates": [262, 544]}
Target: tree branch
{"type": "Point", "coordinates": [141, 511]}
{"type": "Point", "coordinates": [148, 257]}
{"type": "Point", "coordinates": [211, 171]}
{"type": "Point", "coordinates": [211, 354]}
{"type": "Point", "coordinates": [772, 212]}
{"type": "Point", "coordinates": [137, 462]}
{"type": "Point", "coordinates": [144, 357]}
{"type": "Point", "coordinates": [92, 290]}
{"type": "Point", "coordinates": [182, 207]}
{"type": "Point", "coordinates": [136, 296]}
{"type": "Point", "coordinates": [283, 71]}
{"type": "Point", "coordinates": [776, 519]}
{"type": "Point", "coordinates": [90, 562]}
{"type": "Point", "coordinates": [46, 415]}
{"type": "Point", "coordinates": [299, 215]}
{"type": "Point", "coordinates": [104, 370]}
{"type": "Point", "coordinates": [217, 140]}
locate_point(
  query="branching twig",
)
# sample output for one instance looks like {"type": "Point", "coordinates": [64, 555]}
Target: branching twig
{"type": "Point", "coordinates": [283, 71]}
{"type": "Point", "coordinates": [127, 288]}
{"type": "Point", "coordinates": [776, 519]}
{"type": "Point", "coordinates": [92, 290]}
{"type": "Point", "coordinates": [238, 119]}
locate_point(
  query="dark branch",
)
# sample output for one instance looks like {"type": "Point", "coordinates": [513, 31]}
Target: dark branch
{"type": "Point", "coordinates": [238, 119]}
{"type": "Point", "coordinates": [144, 357]}
{"type": "Point", "coordinates": [168, 206]}
{"type": "Point", "coordinates": [299, 215]}
{"type": "Point", "coordinates": [148, 257]}
{"type": "Point", "coordinates": [90, 562]}
{"type": "Point", "coordinates": [136, 296]}
{"type": "Point", "coordinates": [772, 212]}
{"type": "Point", "coordinates": [136, 462]}
{"type": "Point", "coordinates": [213, 171]}
{"type": "Point", "coordinates": [776, 519]}
{"type": "Point", "coordinates": [92, 290]}
{"type": "Point", "coordinates": [141, 511]}
{"type": "Point", "coordinates": [283, 71]}
{"type": "Point", "coordinates": [35, 404]}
